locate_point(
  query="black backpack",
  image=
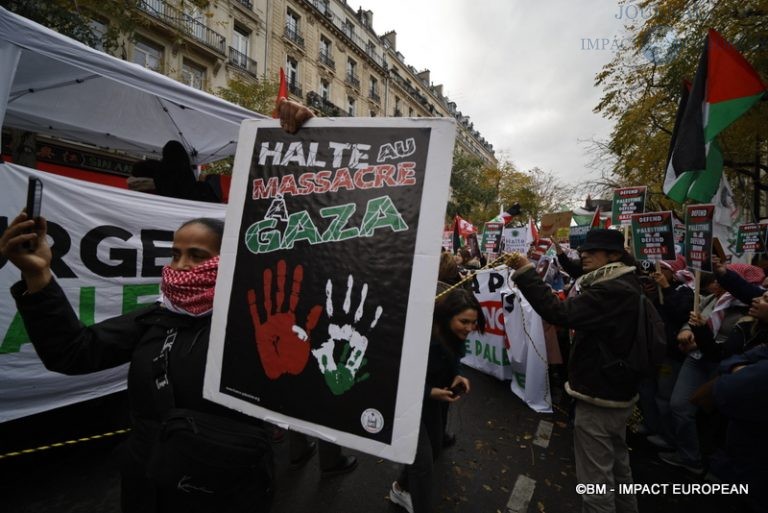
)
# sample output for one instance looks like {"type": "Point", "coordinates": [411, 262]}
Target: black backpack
{"type": "Point", "coordinates": [648, 347]}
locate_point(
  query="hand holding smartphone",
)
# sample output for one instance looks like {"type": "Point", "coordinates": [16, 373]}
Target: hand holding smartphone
{"type": "Point", "coordinates": [458, 389]}
{"type": "Point", "coordinates": [34, 203]}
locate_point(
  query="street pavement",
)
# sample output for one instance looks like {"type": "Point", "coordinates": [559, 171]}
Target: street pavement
{"type": "Point", "coordinates": [505, 461]}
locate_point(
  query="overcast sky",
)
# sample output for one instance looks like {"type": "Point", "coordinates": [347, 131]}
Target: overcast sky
{"type": "Point", "coordinates": [521, 69]}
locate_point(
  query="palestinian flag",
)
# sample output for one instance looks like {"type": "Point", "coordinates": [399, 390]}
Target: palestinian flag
{"type": "Point", "coordinates": [506, 217]}
{"type": "Point", "coordinates": [461, 228]}
{"type": "Point", "coordinates": [725, 87]}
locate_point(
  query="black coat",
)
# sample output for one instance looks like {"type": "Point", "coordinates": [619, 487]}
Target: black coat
{"type": "Point", "coordinates": [605, 312]}
{"type": "Point", "coordinates": [66, 346]}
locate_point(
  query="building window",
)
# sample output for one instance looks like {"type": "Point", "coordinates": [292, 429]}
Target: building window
{"type": "Point", "coordinates": [292, 76]}
{"type": "Point", "coordinates": [194, 21]}
{"type": "Point", "coordinates": [410, 112]}
{"type": "Point", "coordinates": [193, 75]}
{"type": "Point", "coordinates": [351, 105]}
{"type": "Point", "coordinates": [292, 27]}
{"type": "Point", "coordinates": [148, 54]}
{"type": "Point", "coordinates": [352, 73]}
{"type": "Point", "coordinates": [326, 51]}
{"type": "Point", "coordinates": [398, 107]}
{"type": "Point", "coordinates": [240, 48]}
{"type": "Point", "coordinates": [325, 90]}
{"type": "Point", "coordinates": [373, 91]}
{"type": "Point", "coordinates": [348, 28]}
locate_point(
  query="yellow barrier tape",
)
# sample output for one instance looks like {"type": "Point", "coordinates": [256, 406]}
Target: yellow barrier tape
{"type": "Point", "coordinates": [63, 444]}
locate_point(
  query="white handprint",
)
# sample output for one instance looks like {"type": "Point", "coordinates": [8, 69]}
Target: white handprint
{"type": "Point", "coordinates": [339, 380]}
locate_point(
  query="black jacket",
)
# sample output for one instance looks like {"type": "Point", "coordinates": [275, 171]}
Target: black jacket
{"type": "Point", "coordinates": [66, 346]}
{"type": "Point", "coordinates": [605, 312]}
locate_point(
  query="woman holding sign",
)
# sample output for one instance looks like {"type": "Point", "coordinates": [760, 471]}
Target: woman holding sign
{"type": "Point", "coordinates": [457, 313]}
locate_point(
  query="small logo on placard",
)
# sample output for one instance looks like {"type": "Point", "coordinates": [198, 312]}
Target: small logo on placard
{"type": "Point", "coordinates": [372, 420]}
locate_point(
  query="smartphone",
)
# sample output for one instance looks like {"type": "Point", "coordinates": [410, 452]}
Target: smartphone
{"type": "Point", "coordinates": [458, 389]}
{"type": "Point", "coordinates": [34, 203]}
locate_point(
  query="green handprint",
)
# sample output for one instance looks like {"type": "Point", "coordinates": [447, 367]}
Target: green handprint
{"type": "Point", "coordinates": [340, 378]}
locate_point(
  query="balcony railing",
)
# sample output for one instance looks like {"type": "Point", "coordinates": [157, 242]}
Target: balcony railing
{"type": "Point", "coordinates": [246, 3]}
{"type": "Point", "coordinates": [242, 61]}
{"type": "Point", "coordinates": [294, 89]}
{"type": "Point", "coordinates": [348, 31]}
{"type": "Point", "coordinates": [352, 80]}
{"type": "Point", "coordinates": [326, 60]}
{"type": "Point", "coordinates": [177, 18]}
{"type": "Point", "coordinates": [326, 107]}
{"type": "Point", "coordinates": [292, 34]}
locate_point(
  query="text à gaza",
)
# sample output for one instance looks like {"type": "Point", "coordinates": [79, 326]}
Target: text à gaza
{"type": "Point", "coordinates": [380, 213]}
{"type": "Point", "coordinates": [372, 177]}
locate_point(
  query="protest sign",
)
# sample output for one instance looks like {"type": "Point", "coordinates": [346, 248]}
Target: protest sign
{"type": "Point", "coordinates": [487, 352]}
{"type": "Point", "coordinates": [751, 238]}
{"type": "Point", "coordinates": [492, 237]}
{"type": "Point", "coordinates": [516, 240]}
{"type": "Point", "coordinates": [627, 201]}
{"type": "Point", "coordinates": [653, 237]}
{"type": "Point", "coordinates": [698, 236]}
{"type": "Point", "coordinates": [109, 247]}
{"type": "Point", "coordinates": [327, 280]}
{"type": "Point", "coordinates": [448, 240]}
{"type": "Point", "coordinates": [554, 222]}
{"type": "Point", "coordinates": [527, 352]}
{"type": "Point", "coordinates": [578, 235]}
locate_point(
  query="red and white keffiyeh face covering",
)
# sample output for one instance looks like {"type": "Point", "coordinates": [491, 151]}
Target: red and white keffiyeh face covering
{"type": "Point", "coordinates": [190, 292]}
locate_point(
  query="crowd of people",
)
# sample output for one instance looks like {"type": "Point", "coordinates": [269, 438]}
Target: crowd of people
{"type": "Point", "coordinates": [704, 406]}
{"type": "Point", "coordinates": [715, 371]}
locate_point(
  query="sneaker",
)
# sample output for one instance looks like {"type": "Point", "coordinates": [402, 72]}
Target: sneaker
{"type": "Point", "coordinates": [660, 442]}
{"type": "Point", "coordinates": [401, 497]}
{"type": "Point", "coordinates": [671, 458]}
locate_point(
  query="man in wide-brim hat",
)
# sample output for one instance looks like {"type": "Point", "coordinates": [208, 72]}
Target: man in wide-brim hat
{"type": "Point", "coordinates": [602, 316]}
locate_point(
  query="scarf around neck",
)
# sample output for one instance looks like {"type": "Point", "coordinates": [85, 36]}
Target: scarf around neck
{"type": "Point", "coordinates": [604, 273]}
{"type": "Point", "coordinates": [190, 292]}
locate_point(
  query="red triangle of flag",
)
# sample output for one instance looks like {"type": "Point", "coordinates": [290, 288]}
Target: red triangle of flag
{"type": "Point", "coordinates": [729, 75]}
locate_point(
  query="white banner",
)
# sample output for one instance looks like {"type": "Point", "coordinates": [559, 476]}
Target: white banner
{"type": "Point", "coordinates": [109, 246]}
{"type": "Point", "coordinates": [527, 352]}
{"type": "Point", "coordinates": [513, 345]}
{"type": "Point", "coordinates": [487, 351]}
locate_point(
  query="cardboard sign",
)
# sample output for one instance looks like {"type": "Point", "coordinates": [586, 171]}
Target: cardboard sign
{"type": "Point", "coordinates": [448, 240]}
{"type": "Point", "coordinates": [698, 236]}
{"type": "Point", "coordinates": [653, 237]}
{"type": "Point", "coordinates": [627, 201]}
{"type": "Point", "coordinates": [551, 223]}
{"type": "Point", "coordinates": [516, 240]}
{"type": "Point", "coordinates": [327, 274]}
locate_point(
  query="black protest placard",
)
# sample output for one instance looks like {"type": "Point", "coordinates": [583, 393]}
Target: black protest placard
{"type": "Point", "coordinates": [492, 237]}
{"type": "Point", "coordinates": [698, 236]}
{"type": "Point", "coordinates": [333, 245]}
{"type": "Point", "coordinates": [750, 238]}
{"type": "Point", "coordinates": [652, 236]}
{"type": "Point", "coordinates": [627, 201]}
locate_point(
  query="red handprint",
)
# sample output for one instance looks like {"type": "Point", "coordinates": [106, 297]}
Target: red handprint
{"type": "Point", "coordinates": [283, 346]}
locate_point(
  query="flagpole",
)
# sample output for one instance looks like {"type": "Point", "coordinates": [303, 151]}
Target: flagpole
{"type": "Point", "coordinates": [658, 288]}
{"type": "Point", "coordinates": [696, 290]}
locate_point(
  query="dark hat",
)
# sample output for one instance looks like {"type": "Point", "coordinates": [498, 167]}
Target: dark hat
{"type": "Point", "coordinates": [605, 239]}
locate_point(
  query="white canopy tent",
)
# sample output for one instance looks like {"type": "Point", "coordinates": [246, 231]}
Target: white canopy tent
{"type": "Point", "coordinates": [57, 86]}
